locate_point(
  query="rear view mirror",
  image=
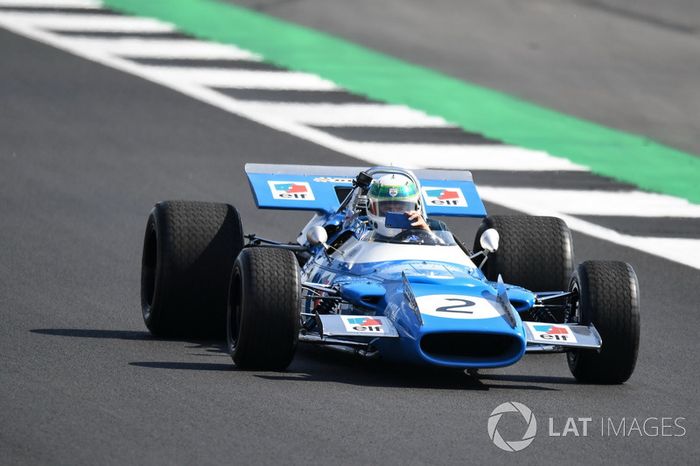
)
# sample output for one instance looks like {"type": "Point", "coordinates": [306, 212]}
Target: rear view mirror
{"type": "Point", "coordinates": [317, 235]}
{"type": "Point", "coordinates": [489, 240]}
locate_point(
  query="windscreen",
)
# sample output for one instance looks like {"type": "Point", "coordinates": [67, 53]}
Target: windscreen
{"type": "Point", "coordinates": [413, 236]}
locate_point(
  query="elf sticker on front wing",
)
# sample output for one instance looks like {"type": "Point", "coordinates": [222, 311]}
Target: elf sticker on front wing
{"type": "Point", "coordinates": [291, 190]}
{"type": "Point", "coordinates": [449, 197]}
{"type": "Point", "coordinates": [551, 333]}
{"type": "Point", "coordinates": [457, 306]}
{"type": "Point", "coordinates": [363, 325]}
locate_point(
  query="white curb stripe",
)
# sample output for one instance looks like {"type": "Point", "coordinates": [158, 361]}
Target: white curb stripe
{"type": "Point", "coordinates": [92, 23]}
{"type": "Point", "coordinates": [242, 79]}
{"type": "Point", "coordinates": [156, 48]}
{"type": "Point", "coordinates": [328, 114]}
{"type": "Point", "coordinates": [52, 3]}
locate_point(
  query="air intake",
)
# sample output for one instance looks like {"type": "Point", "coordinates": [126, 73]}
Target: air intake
{"type": "Point", "coordinates": [471, 347]}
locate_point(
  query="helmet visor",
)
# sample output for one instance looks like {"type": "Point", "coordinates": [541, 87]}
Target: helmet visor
{"type": "Point", "coordinates": [395, 206]}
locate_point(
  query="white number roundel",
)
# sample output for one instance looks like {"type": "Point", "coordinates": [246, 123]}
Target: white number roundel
{"type": "Point", "coordinates": [452, 306]}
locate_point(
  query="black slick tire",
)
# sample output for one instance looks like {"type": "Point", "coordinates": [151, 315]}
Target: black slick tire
{"type": "Point", "coordinates": [263, 311]}
{"type": "Point", "coordinates": [189, 250]}
{"type": "Point", "coordinates": [606, 294]}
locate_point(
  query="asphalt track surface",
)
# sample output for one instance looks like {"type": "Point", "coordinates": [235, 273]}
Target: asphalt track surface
{"type": "Point", "coordinates": [86, 151]}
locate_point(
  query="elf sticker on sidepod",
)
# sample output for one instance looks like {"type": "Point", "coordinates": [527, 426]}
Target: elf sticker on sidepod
{"type": "Point", "coordinates": [291, 190]}
{"type": "Point", "coordinates": [365, 325]}
{"type": "Point", "coordinates": [450, 197]}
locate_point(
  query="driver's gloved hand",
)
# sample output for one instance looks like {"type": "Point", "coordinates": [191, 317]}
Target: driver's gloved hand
{"type": "Point", "coordinates": [417, 220]}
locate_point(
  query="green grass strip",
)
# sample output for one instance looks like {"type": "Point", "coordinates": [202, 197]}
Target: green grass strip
{"type": "Point", "coordinates": [623, 156]}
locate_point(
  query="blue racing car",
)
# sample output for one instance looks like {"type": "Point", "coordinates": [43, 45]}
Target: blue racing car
{"type": "Point", "coordinates": [376, 273]}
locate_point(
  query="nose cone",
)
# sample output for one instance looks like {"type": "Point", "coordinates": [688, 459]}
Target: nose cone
{"type": "Point", "coordinates": [456, 329]}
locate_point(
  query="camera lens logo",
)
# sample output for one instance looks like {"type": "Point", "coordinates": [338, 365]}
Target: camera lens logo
{"type": "Point", "coordinates": [530, 421]}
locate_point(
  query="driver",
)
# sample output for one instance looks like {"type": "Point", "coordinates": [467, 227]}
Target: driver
{"type": "Point", "coordinates": [394, 193]}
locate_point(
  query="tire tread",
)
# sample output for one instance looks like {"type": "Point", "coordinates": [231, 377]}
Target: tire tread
{"type": "Point", "coordinates": [609, 298]}
{"type": "Point", "coordinates": [269, 326]}
{"type": "Point", "coordinates": [197, 243]}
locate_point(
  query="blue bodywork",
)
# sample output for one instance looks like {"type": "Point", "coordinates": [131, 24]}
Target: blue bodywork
{"type": "Point", "coordinates": [444, 310]}
{"type": "Point", "coordinates": [391, 289]}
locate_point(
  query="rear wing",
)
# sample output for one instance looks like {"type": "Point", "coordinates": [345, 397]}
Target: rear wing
{"type": "Point", "coordinates": [450, 193]}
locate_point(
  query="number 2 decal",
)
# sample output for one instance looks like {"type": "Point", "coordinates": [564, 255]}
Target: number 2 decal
{"type": "Point", "coordinates": [457, 307]}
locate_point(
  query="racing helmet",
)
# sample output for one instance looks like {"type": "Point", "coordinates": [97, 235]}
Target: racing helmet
{"type": "Point", "coordinates": [391, 193]}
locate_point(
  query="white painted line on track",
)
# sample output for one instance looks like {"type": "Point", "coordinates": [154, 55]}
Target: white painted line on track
{"type": "Point", "coordinates": [616, 203]}
{"type": "Point", "coordinates": [242, 79]}
{"type": "Point", "coordinates": [328, 114]}
{"type": "Point", "coordinates": [92, 23]}
{"type": "Point", "coordinates": [684, 251]}
{"type": "Point", "coordinates": [52, 3]}
{"type": "Point", "coordinates": [462, 156]}
{"type": "Point", "coordinates": [156, 48]}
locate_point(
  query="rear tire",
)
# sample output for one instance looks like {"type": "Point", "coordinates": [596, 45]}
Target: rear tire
{"type": "Point", "coordinates": [263, 312]}
{"type": "Point", "coordinates": [606, 294]}
{"type": "Point", "coordinates": [535, 253]}
{"type": "Point", "coordinates": [188, 253]}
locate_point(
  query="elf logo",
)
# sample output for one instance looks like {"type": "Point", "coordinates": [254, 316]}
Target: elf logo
{"type": "Point", "coordinates": [452, 197]}
{"type": "Point", "coordinates": [553, 333]}
{"type": "Point", "coordinates": [363, 325]}
{"type": "Point", "coordinates": [291, 190]}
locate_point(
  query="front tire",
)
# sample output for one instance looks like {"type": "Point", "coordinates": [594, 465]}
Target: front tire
{"type": "Point", "coordinates": [263, 311]}
{"type": "Point", "coordinates": [606, 294]}
{"type": "Point", "coordinates": [188, 253]}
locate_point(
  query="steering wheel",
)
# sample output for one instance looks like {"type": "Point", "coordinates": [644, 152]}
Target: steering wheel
{"type": "Point", "coordinates": [424, 236]}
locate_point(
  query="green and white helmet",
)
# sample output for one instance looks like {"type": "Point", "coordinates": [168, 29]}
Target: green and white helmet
{"type": "Point", "coordinates": [391, 193]}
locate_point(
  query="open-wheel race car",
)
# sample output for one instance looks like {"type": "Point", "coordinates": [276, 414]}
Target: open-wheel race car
{"type": "Point", "coordinates": [373, 272]}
